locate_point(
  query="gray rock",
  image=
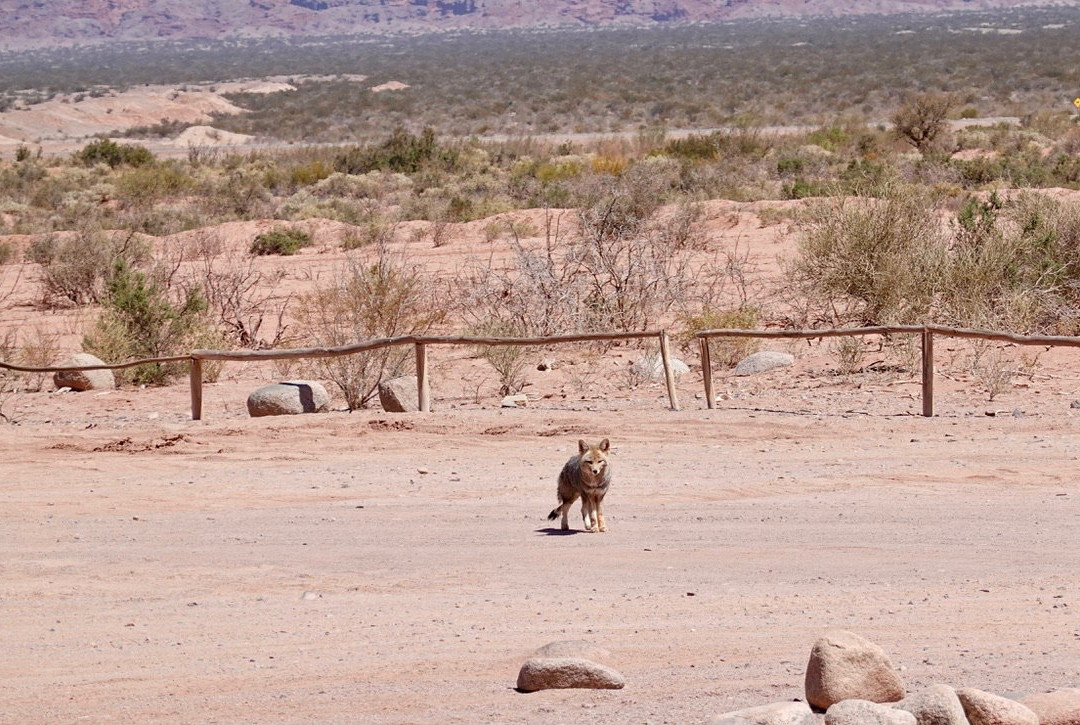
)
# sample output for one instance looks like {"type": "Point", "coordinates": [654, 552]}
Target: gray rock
{"type": "Point", "coordinates": [521, 400]}
{"type": "Point", "coordinates": [1075, 404]}
{"type": "Point", "coordinates": [984, 708]}
{"type": "Point", "coordinates": [291, 397]}
{"type": "Point", "coordinates": [574, 648]}
{"type": "Point", "coordinates": [763, 361]}
{"type": "Point", "coordinates": [551, 673]}
{"type": "Point", "coordinates": [85, 379]}
{"type": "Point", "coordinates": [651, 367]}
{"type": "Point", "coordinates": [777, 713]}
{"type": "Point", "coordinates": [399, 395]}
{"type": "Point", "coordinates": [845, 666]}
{"type": "Point", "coordinates": [936, 705]}
{"type": "Point", "coordinates": [546, 364]}
{"type": "Point", "coordinates": [864, 712]}
{"type": "Point", "coordinates": [1060, 707]}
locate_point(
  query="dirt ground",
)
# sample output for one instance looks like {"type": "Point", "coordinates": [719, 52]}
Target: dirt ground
{"type": "Point", "coordinates": [368, 567]}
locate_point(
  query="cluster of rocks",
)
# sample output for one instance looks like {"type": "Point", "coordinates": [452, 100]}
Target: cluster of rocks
{"type": "Point", "coordinates": [849, 681]}
{"type": "Point", "coordinates": [852, 681]}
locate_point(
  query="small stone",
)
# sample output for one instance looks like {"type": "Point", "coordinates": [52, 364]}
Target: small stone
{"type": "Point", "coordinates": [845, 666]}
{"type": "Point", "coordinates": [1060, 707]}
{"type": "Point", "coordinates": [777, 713]}
{"type": "Point", "coordinates": [551, 673]}
{"type": "Point", "coordinates": [936, 705]}
{"type": "Point", "coordinates": [309, 596]}
{"type": "Point", "coordinates": [984, 708]}
{"type": "Point", "coordinates": [864, 712]}
{"type": "Point", "coordinates": [1017, 413]}
{"type": "Point", "coordinates": [400, 395]}
{"type": "Point", "coordinates": [422, 471]}
{"type": "Point", "coordinates": [291, 397]}
{"type": "Point", "coordinates": [1075, 404]}
{"type": "Point", "coordinates": [763, 361]}
{"type": "Point", "coordinates": [81, 380]}
{"type": "Point", "coordinates": [546, 364]}
{"type": "Point", "coordinates": [521, 400]}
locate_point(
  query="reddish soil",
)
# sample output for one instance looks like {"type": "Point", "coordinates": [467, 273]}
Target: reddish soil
{"type": "Point", "coordinates": [307, 569]}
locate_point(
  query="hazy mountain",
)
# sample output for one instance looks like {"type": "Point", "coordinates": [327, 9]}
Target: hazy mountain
{"type": "Point", "coordinates": [47, 22]}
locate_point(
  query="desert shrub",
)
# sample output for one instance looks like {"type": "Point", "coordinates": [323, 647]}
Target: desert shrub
{"type": "Point", "coordinates": [22, 153]}
{"type": "Point", "coordinates": [724, 350]}
{"type": "Point", "coordinates": [383, 297]}
{"type": "Point", "coordinates": [920, 119]}
{"type": "Point", "coordinates": [402, 152]}
{"type": "Point", "coordinates": [280, 241]}
{"type": "Point", "coordinates": [848, 353]}
{"type": "Point", "coordinates": [142, 317]}
{"type": "Point", "coordinates": [509, 361]}
{"type": "Point", "coordinates": [146, 184]}
{"type": "Point", "coordinates": [803, 189]}
{"type": "Point", "coordinates": [109, 152]}
{"type": "Point", "coordinates": [872, 260]}
{"type": "Point", "coordinates": [75, 268]}
{"type": "Point", "coordinates": [7, 252]}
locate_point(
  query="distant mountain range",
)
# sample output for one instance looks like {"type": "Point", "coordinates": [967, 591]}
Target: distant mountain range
{"type": "Point", "coordinates": [61, 22]}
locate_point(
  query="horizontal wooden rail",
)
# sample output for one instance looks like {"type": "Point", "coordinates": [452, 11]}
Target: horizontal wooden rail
{"type": "Point", "coordinates": [103, 366]}
{"type": "Point", "coordinates": [926, 332]}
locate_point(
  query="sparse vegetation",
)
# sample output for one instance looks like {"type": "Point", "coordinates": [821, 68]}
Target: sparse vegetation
{"type": "Point", "coordinates": [280, 241]}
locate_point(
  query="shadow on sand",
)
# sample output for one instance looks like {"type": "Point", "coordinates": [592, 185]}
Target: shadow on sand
{"type": "Point", "coordinates": [550, 531]}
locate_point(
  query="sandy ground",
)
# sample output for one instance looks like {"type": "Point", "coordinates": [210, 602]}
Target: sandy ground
{"type": "Point", "coordinates": [370, 567]}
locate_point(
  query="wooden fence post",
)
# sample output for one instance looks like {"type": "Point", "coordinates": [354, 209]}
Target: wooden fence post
{"type": "Point", "coordinates": [423, 391]}
{"type": "Point", "coordinates": [927, 373]}
{"type": "Point", "coordinates": [706, 371]}
{"type": "Point", "coordinates": [669, 375]}
{"type": "Point", "coordinates": [195, 374]}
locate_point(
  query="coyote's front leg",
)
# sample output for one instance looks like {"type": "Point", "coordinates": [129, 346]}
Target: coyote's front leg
{"type": "Point", "coordinates": [602, 526]}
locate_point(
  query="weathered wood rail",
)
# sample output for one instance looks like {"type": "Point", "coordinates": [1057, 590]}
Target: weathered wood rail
{"type": "Point", "coordinates": [422, 342]}
{"type": "Point", "coordinates": [926, 332]}
{"type": "Point", "coordinates": [419, 342]}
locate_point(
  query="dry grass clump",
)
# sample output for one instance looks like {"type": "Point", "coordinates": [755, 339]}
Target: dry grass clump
{"type": "Point", "coordinates": [1000, 263]}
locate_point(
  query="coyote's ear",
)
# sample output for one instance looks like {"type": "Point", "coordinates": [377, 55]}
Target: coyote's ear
{"type": "Point", "coordinates": [582, 446]}
{"type": "Point", "coordinates": [604, 445]}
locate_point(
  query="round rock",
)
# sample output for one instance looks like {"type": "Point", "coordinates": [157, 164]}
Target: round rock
{"type": "Point", "coordinates": [984, 708]}
{"type": "Point", "coordinates": [864, 712]}
{"type": "Point", "coordinates": [85, 379]}
{"type": "Point", "coordinates": [291, 397]}
{"type": "Point", "coordinates": [777, 713]}
{"type": "Point", "coordinates": [936, 705]}
{"type": "Point", "coordinates": [556, 673]}
{"type": "Point", "coordinates": [845, 666]}
{"type": "Point", "coordinates": [763, 361]}
{"type": "Point", "coordinates": [1060, 707]}
{"type": "Point", "coordinates": [651, 367]}
{"type": "Point", "coordinates": [400, 395]}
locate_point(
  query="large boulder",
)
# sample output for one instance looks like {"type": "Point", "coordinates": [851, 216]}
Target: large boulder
{"type": "Point", "coordinates": [984, 708]}
{"type": "Point", "coordinates": [400, 395]}
{"type": "Point", "coordinates": [845, 666]}
{"type": "Point", "coordinates": [864, 712]}
{"type": "Point", "coordinates": [777, 713]}
{"type": "Point", "coordinates": [551, 673]}
{"type": "Point", "coordinates": [85, 379]}
{"type": "Point", "coordinates": [764, 361]}
{"type": "Point", "coordinates": [291, 397]}
{"type": "Point", "coordinates": [936, 705]}
{"type": "Point", "coordinates": [1060, 707]}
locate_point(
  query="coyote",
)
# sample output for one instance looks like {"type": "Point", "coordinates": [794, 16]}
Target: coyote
{"type": "Point", "coordinates": [587, 475]}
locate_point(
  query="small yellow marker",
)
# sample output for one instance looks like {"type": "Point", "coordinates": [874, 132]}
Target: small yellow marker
{"type": "Point", "coordinates": [1076, 102]}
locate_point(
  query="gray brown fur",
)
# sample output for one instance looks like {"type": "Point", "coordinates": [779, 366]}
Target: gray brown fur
{"type": "Point", "coordinates": [586, 476]}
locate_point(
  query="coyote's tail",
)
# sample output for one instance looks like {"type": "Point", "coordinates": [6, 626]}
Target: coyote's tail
{"type": "Point", "coordinates": [554, 513]}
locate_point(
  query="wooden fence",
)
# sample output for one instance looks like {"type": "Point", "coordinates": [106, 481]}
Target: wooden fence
{"type": "Point", "coordinates": [421, 343]}
{"type": "Point", "coordinates": [927, 333]}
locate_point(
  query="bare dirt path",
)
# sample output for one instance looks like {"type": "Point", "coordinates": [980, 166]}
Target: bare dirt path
{"type": "Point", "coordinates": [159, 571]}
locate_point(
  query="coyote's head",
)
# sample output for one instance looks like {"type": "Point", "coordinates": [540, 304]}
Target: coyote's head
{"type": "Point", "coordinates": [593, 458]}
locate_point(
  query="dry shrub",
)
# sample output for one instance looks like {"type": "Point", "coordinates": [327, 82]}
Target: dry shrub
{"type": "Point", "coordinates": [848, 353]}
{"type": "Point", "coordinates": [382, 296]}
{"type": "Point", "coordinates": [75, 268]}
{"type": "Point", "coordinates": [872, 260]}
{"type": "Point", "coordinates": [724, 350]}
{"type": "Point", "coordinates": [509, 361]}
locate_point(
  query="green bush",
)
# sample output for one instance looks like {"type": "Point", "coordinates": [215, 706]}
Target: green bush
{"type": "Point", "coordinates": [138, 320]}
{"type": "Point", "coordinates": [402, 152]}
{"type": "Point", "coordinates": [280, 241]}
{"type": "Point", "coordinates": [109, 152]}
